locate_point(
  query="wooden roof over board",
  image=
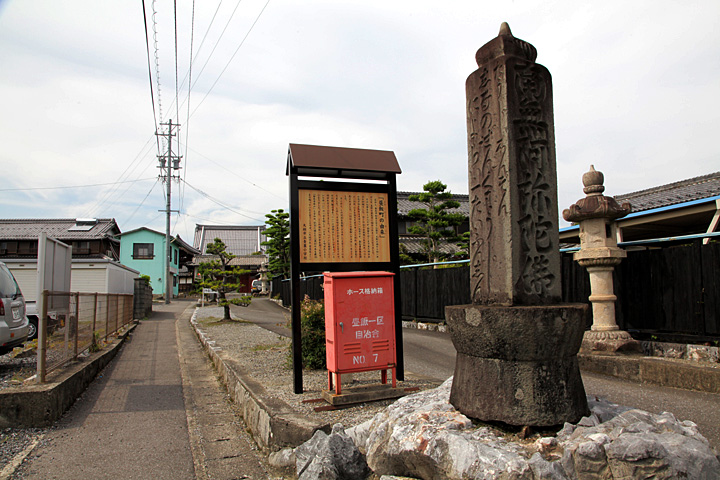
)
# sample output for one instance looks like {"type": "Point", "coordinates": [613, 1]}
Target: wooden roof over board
{"type": "Point", "coordinates": [343, 159]}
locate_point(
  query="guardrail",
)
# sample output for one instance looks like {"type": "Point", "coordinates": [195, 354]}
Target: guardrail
{"type": "Point", "coordinates": [83, 324]}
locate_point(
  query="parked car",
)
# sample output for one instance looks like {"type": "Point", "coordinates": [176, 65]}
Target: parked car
{"type": "Point", "coordinates": [13, 321]}
{"type": "Point", "coordinates": [256, 287]}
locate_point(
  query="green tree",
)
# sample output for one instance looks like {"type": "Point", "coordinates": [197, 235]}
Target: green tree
{"type": "Point", "coordinates": [221, 277]}
{"type": "Point", "coordinates": [278, 242]}
{"type": "Point", "coordinates": [464, 244]}
{"type": "Point", "coordinates": [434, 222]}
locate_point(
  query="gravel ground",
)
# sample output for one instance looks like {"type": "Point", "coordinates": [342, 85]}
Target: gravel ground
{"type": "Point", "coordinates": [265, 357]}
{"type": "Point", "coordinates": [15, 440]}
{"type": "Point", "coordinates": [14, 370]}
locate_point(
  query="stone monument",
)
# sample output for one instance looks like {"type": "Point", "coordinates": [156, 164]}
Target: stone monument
{"type": "Point", "coordinates": [516, 345]}
{"type": "Point", "coordinates": [599, 253]}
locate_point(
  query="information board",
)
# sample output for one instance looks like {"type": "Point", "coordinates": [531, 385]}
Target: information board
{"type": "Point", "coordinates": [342, 226]}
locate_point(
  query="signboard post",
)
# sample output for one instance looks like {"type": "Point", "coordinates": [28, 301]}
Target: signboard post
{"type": "Point", "coordinates": [54, 263]}
{"type": "Point", "coordinates": [347, 224]}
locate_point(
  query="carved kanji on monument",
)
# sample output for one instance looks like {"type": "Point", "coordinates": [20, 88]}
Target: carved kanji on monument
{"type": "Point", "coordinates": [517, 346]}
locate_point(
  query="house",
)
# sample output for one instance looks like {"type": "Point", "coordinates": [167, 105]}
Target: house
{"type": "Point", "coordinates": [143, 249]}
{"type": "Point", "coordinates": [412, 245]}
{"type": "Point", "coordinates": [239, 240]}
{"type": "Point", "coordinates": [245, 242]}
{"type": "Point", "coordinates": [95, 253]}
{"type": "Point", "coordinates": [89, 237]}
{"type": "Point", "coordinates": [686, 207]}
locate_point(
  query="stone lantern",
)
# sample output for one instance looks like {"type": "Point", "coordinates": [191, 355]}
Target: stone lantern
{"type": "Point", "coordinates": [599, 253]}
{"type": "Point", "coordinates": [264, 279]}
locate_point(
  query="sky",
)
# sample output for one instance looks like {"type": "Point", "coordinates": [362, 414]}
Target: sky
{"type": "Point", "coordinates": [636, 88]}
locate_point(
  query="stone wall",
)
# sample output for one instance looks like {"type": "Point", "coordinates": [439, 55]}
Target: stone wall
{"type": "Point", "coordinates": [697, 353]}
{"type": "Point", "coordinates": [142, 299]}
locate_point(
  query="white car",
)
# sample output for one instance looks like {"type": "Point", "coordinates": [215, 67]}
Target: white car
{"type": "Point", "coordinates": [13, 321]}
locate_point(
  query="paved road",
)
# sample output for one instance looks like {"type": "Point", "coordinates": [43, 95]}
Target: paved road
{"type": "Point", "coordinates": [132, 422]}
{"type": "Point", "coordinates": [432, 354]}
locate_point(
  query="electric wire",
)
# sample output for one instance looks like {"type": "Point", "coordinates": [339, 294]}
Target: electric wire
{"type": "Point", "coordinates": [218, 202]}
{"type": "Point", "coordinates": [143, 201]}
{"type": "Point", "coordinates": [177, 90]}
{"type": "Point", "coordinates": [187, 120]}
{"type": "Point", "coordinates": [124, 192]}
{"type": "Point", "coordinates": [157, 61]}
{"type": "Point", "coordinates": [73, 186]}
{"type": "Point", "coordinates": [217, 42]}
{"type": "Point", "coordinates": [147, 47]}
{"type": "Point", "coordinates": [132, 166]}
{"type": "Point", "coordinates": [230, 171]}
{"type": "Point", "coordinates": [232, 57]}
{"type": "Point", "coordinates": [207, 31]}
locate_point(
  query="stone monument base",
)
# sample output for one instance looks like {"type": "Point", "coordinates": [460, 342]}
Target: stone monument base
{"type": "Point", "coordinates": [608, 342]}
{"type": "Point", "coordinates": [518, 365]}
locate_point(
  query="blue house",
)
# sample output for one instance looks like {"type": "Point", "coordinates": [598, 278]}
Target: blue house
{"type": "Point", "coordinates": [143, 249]}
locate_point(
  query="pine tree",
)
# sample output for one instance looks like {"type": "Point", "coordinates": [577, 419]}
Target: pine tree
{"type": "Point", "coordinates": [278, 243]}
{"type": "Point", "coordinates": [220, 276]}
{"type": "Point", "coordinates": [434, 222]}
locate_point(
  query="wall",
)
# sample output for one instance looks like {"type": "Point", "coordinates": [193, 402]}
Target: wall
{"type": "Point", "coordinates": [86, 275]}
{"type": "Point", "coordinates": [672, 293]}
{"type": "Point", "coordinates": [142, 299]}
{"type": "Point", "coordinates": [155, 267]}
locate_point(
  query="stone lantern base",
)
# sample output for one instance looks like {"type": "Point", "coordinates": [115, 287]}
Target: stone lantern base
{"type": "Point", "coordinates": [609, 342]}
{"type": "Point", "coordinates": [518, 365]}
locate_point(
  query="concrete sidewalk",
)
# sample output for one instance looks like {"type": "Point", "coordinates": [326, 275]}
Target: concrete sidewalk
{"type": "Point", "coordinates": [132, 422]}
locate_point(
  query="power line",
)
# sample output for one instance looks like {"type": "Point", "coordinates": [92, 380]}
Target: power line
{"type": "Point", "coordinates": [232, 57]}
{"type": "Point", "coordinates": [73, 186]}
{"type": "Point", "coordinates": [147, 46]}
{"type": "Point", "coordinates": [217, 42]}
{"type": "Point", "coordinates": [200, 47]}
{"type": "Point", "coordinates": [218, 202]}
{"type": "Point", "coordinates": [126, 174]}
{"type": "Point", "coordinates": [143, 201]}
{"type": "Point", "coordinates": [237, 175]}
{"type": "Point", "coordinates": [157, 63]}
{"type": "Point", "coordinates": [187, 121]}
{"type": "Point", "coordinates": [177, 108]}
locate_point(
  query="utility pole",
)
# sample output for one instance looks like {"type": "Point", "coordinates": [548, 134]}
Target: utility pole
{"type": "Point", "coordinates": [168, 163]}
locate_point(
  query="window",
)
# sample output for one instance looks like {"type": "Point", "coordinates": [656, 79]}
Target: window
{"type": "Point", "coordinates": [27, 247]}
{"type": "Point", "coordinates": [143, 251]}
{"type": "Point", "coordinates": [176, 255]}
{"type": "Point", "coordinates": [8, 247]}
{"type": "Point", "coordinates": [81, 248]}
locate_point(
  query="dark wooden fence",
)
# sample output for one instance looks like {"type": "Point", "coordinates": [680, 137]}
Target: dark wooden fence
{"type": "Point", "coordinates": [673, 290]}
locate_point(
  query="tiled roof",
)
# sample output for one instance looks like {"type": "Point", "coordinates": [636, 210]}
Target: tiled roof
{"type": "Point", "coordinates": [415, 245]}
{"type": "Point", "coordinates": [673, 193]}
{"type": "Point", "coordinates": [61, 229]}
{"type": "Point", "coordinates": [239, 261]}
{"type": "Point", "coordinates": [183, 245]}
{"type": "Point", "coordinates": [239, 240]}
{"type": "Point", "coordinates": [405, 205]}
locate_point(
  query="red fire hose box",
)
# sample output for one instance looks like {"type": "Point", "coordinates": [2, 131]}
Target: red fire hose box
{"type": "Point", "coordinates": [359, 324]}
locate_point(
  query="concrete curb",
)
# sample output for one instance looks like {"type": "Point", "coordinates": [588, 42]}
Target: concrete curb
{"type": "Point", "coordinates": [656, 370]}
{"type": "Point", "coordinates": [41, 405]}
{"type": "Point", "coordinates": [272, 423]}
